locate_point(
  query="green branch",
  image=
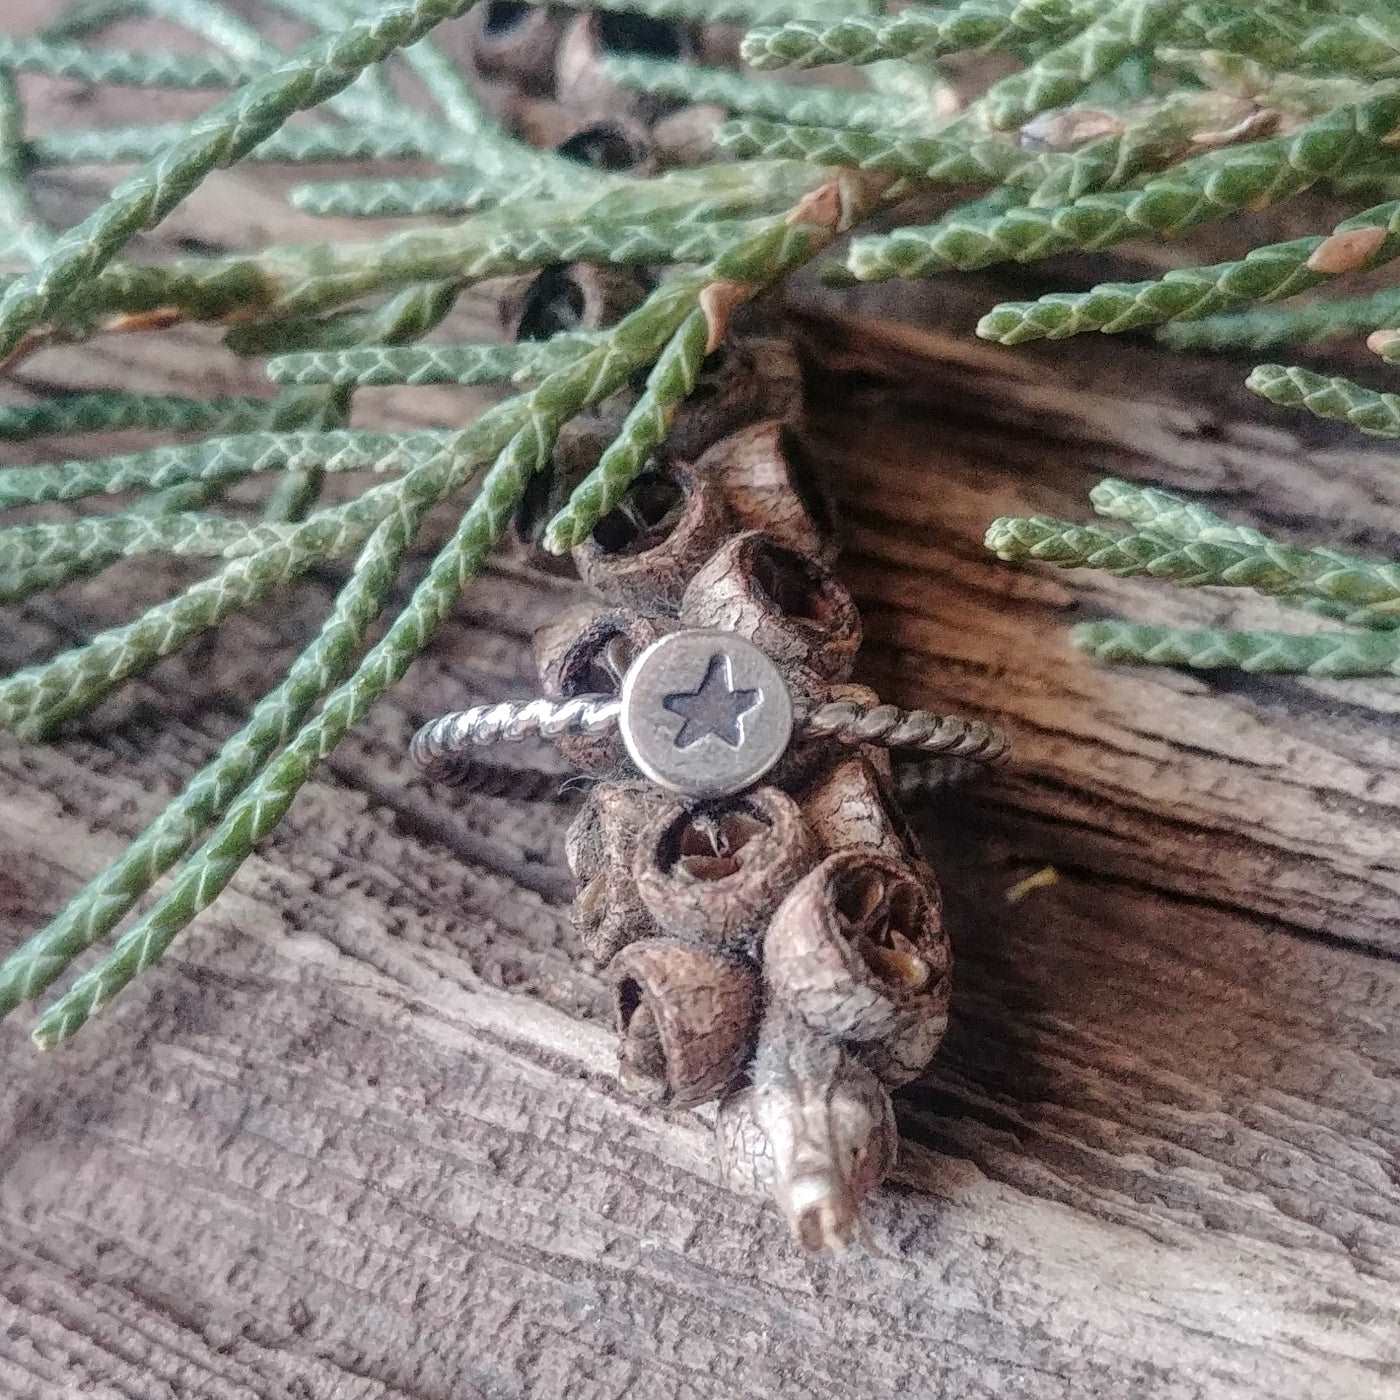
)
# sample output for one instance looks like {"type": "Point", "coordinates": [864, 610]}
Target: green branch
{"type": "Point", "coordinates": [430, 364]}
{"type": "Point", "coordinates": [62, 59]}
{"type": "Point", "coordinates": [1275, 570]}
{"type": "Point", "coordinates": [644, 429]}
{"type": "Point", "coordinates": [106, 900]}
{"type": "Point", "coordinates": [914, 32]}
{"type": "Point", "coordinates": [1327, 655]}
{"type": "Point", "coordinates": [113, 412]}
{"type": "Point", "coordinates": [1328, 396]}
{"type": "Point", "coordinates": [1311, 324]}
{"type": "Point", "coordinates": [1267, 274]}
{"type": "Point", "coordinates": [23, 234]}
{"type": "Point", "coordinates": [219, 460]}
{"type": "Point", "coordinates": [218, 138]}
{"type": "Point", "coordinates": [1127, 27]}
{"type": "Point", "coordinates": [1195, 192]}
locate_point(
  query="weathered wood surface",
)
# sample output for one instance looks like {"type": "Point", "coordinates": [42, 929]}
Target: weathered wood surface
{"type": "Point", "coordinates": [358, 1137]}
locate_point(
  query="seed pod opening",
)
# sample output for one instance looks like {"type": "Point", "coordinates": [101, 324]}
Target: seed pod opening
{"type": "Point", "coordinates": [769, 484]}
{"type": "Point", "coordinates": [570, 297]}
{"type": "Point", "coordinates": [645, 550]}
{"type": "Point", "coordinates": [858, 951]}
{"type": "Point", "coordinates": [580, 78]}
{"type": "Point", "coordinates": [513, 41]}
{"type": "Point", "coordinates": [580, 444]}
{"type": "Point", "coordinates": [686, 1017]}
{"type": "Point", "coordinates": [715, 872]}
{"type": "Point", "coordinates": [784, 601]}
{"type": "Point", "coordinates": [600, 844]}
{"type": "Point", "coordinates": [816, 1130]}
{"type": "Point", "coordinates": [616, 143]}
{"type": "Point", "coordinates": [587, 651]}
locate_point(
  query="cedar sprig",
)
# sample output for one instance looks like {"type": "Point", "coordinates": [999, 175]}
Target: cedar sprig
{"type": "Point", "coordinates": [305, 300]}
{"type": "Point", "coordinates": [1185, 543]}
{"type": "Point", "coordinates": [1125, 118]}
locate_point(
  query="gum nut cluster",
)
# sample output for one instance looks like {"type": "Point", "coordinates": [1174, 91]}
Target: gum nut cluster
{"type": "Point", "coordinates": [781, 950]}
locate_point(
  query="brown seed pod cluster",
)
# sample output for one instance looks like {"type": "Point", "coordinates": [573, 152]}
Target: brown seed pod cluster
{"type": "Point", "coordinates": [545, 70]}
{"type": "Point", "coordinates": [781, 950]}
{"type": "Point", "coordinates": [543, 73]}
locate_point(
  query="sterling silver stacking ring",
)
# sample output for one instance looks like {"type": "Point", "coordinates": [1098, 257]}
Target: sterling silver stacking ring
{"type": "Point", "coordinates": [706, 714]}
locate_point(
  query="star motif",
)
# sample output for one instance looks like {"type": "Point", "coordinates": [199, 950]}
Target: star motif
{"type": "Point", "coordinates": [714, 708]}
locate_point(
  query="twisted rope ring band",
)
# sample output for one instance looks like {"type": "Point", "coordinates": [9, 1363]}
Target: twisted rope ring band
{"type": "Point", "coordinates": [842, 720]}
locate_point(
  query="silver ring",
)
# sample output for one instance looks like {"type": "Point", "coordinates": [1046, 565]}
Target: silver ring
{"type": "Point", "coordinates": [705, 714]}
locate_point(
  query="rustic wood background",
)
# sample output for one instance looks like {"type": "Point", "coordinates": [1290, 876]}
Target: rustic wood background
{"type": "Point", "coordinates": [358, 1137]}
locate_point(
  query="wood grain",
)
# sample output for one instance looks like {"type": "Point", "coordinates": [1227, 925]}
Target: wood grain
{"type": "Point", "coordinates": [358, 1136]}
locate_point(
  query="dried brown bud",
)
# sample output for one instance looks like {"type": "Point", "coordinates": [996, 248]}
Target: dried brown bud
{"type": "Point", "coordinates": [600, 844]}
{"type": "Point", "coordinates": [569, 297]}
{"type": "Point", "coordinates": [687, 1017]}
{"type": "Point", "coordinates": [784, 601]}
{"type": "Point", "coordinates": [857, 950]}
{"type": "Point", "coordinates": [1382, 342]}
{"type": "Point", "coordinates": [1347, 251]}
{"type": "Point", "coordinates": [718, 301]}
{"type": "Point", "coordinates": [1067, 128]}
{"type": "Point", "coordinates": [579, 77]}
{"type": "Point", "coordinates": [1249, 127]}
{"type": "Point", "coordinates": [769, 485]}
{"type": "Point", "coordinates": [510, 40]}
{"type": "Point", "coordinates": [716, 872]}
{"type": "Point", "coordinates": [586, 651]}
{"type": "Point", "coordinates": [649, 546]}
{"type": "Point", "coordinates": [816, 1131]}
{"type": "Point", "coordinates": [746, 379]}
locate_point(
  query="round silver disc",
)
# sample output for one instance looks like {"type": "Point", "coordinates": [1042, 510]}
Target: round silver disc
{"type": "Point", "coordinates": [704, 714]}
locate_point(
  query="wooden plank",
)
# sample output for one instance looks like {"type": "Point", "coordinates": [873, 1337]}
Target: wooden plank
{"type": "Point", "coordinates": [358, 1135]}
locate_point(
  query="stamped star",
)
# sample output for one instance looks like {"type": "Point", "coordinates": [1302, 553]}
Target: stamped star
{"type": "Point", "coordinates": [714, 708]}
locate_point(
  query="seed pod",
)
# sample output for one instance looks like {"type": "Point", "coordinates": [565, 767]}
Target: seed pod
{"type": "Point", "coordinates": [816, 1130]}
{"type": "Point", "coordinates": [754, 377]}
{"type": "Point", "coordinates": [645, 550]}
{"type": "Point", "coordinates": [600, 844]}
{"type": "Point", "coordinates": [687, 1018]}
{"type": "Point", "coordinates": [718, 45]}
{"type": "Point", "coordinates": [569, 297]}
{"type": "Point", "coordinates": [715, 872]}
{"type": "Point", "coordinates": [847, 804]}
{"type": "Point", "coordinates": [850, 800]}
{"type": "Point", "coordinates": [581, 442]}
{"type": "Point", "coordinates": [579, 77]}
{"type": "Point", "coordinates": [768, 485]}
{"type": "Point", "coordinates": [857, 950]}
{"type": "Point", "coordinates": [687, 136]}
{"type": "Point", "coordinates": [514, 42]}
{"type": "Point", "coordinates": [788, 603]}
{"type": "Point", "coordinates": [586, 651]}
